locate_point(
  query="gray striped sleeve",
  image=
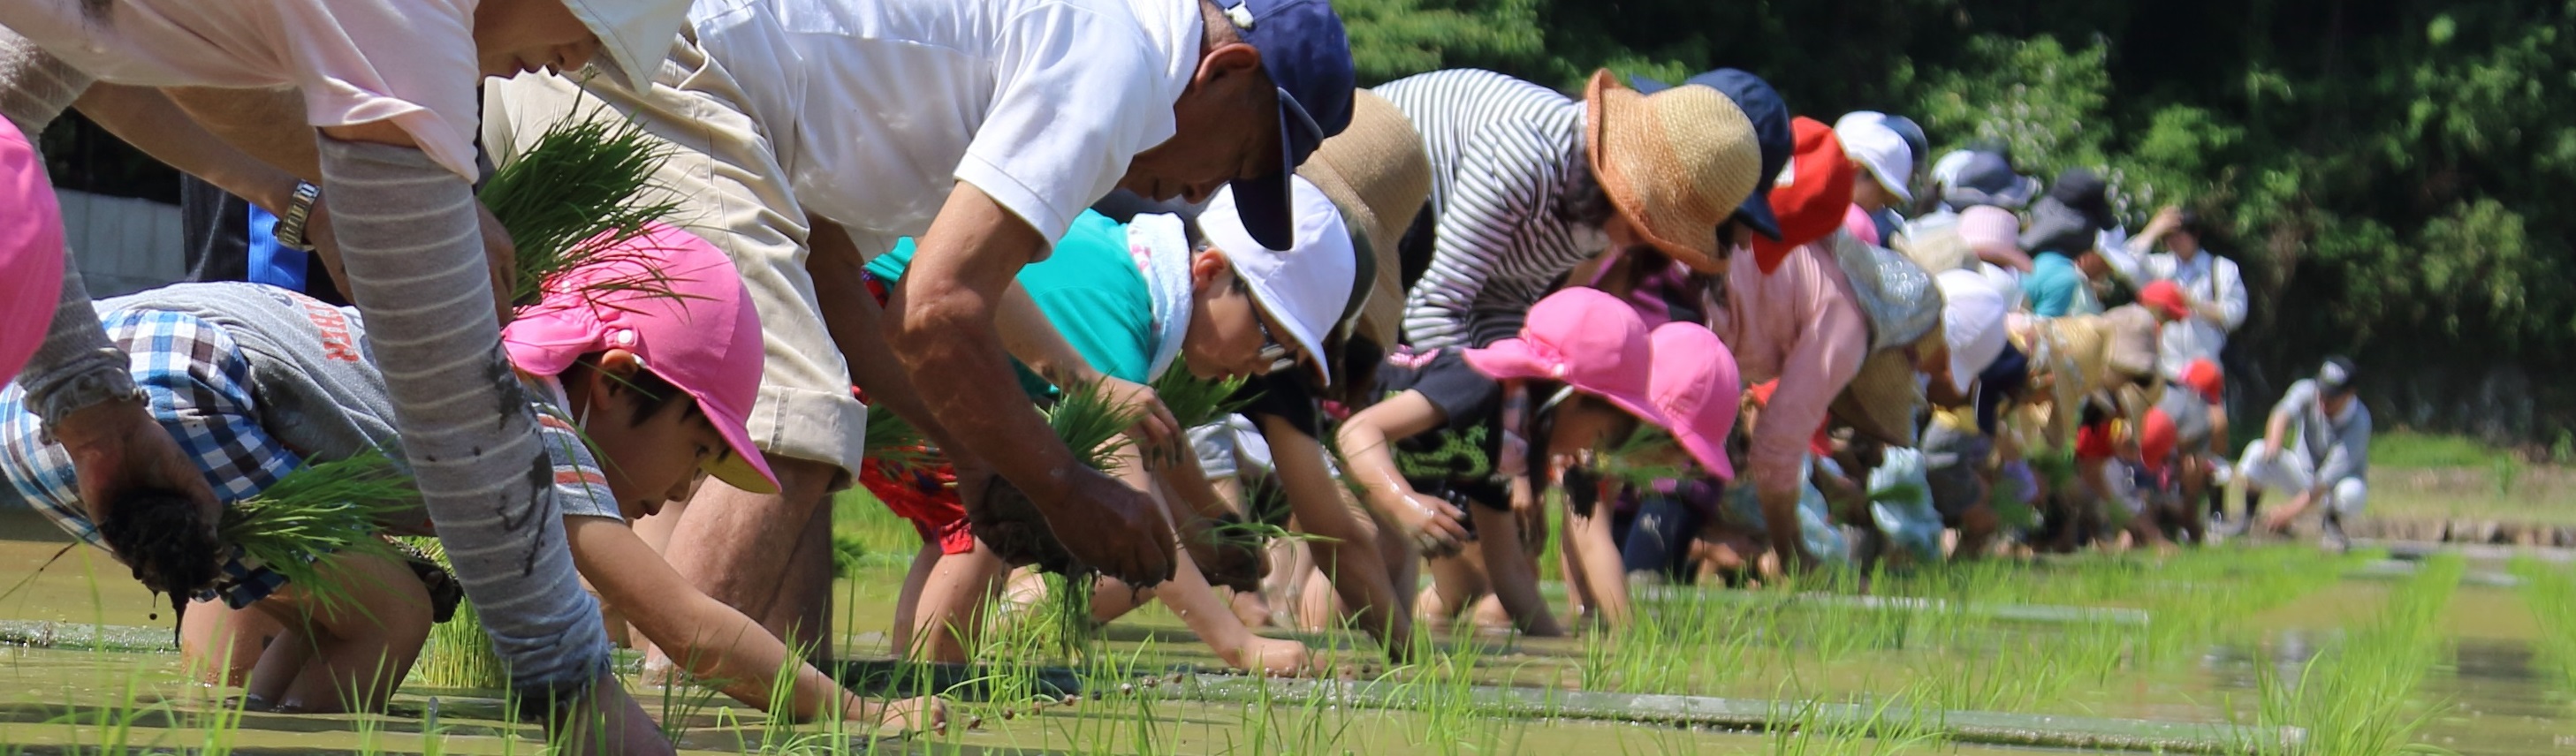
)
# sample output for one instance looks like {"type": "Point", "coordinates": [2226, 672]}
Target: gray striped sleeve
{"type": "Point", "coordinates": [408, 235]}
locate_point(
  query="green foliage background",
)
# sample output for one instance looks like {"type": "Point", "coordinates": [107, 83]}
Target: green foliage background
{"type": "Point", "coordinates": [2385, 171]}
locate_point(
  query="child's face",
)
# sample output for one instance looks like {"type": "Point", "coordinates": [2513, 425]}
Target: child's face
{"type": "Point", "coordinates": [650, 455]}
{"type": "Point", "coordinates": [1229, 336]}
{"type": "Point", "coordinates": [517, 36]}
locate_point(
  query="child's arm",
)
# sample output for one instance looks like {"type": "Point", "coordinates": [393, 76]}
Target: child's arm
{"type": "Point", "coordinates": [711, 640]}
{"type": "Point", "coordinates": [1367, 456]}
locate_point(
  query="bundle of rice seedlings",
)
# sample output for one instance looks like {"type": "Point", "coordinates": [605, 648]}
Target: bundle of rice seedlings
{"type": "Point", "coordinates": [1092, 424]}
{"type": "Point", "coordinates": [334, 507]}
{"type": "Point", "coordinates": [894, 440]}
{"type": "Point", "coordinates": [573, 196]}
{"type": "Point", "coordinates": [459, 653]}
{"type": "Point", "coordinates": [1196, 401]}
{"type": "Point", "coordinates": [1642, 458]}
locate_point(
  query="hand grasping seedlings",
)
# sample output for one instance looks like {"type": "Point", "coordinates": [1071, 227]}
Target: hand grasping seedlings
{"type": "Point", "coordinates": [571, 200]}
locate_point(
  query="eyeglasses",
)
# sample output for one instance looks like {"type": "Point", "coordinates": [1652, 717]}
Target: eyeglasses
{"type": "Point", "coordinates": [1273, 351]}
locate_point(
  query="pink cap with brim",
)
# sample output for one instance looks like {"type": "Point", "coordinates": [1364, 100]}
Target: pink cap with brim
{"type": "Point", "coordinates": [31, 253]}
{"type": "Point", "coordinates": [1696, 385]}
{"type": "Point", "coordinates": [1585, 338]}
{"type": "Point", "coordinates": [690, 320]}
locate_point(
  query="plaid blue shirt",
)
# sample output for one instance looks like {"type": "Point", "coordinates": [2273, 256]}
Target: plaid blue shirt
{"type": "Point", "coordinates": [198, 383]}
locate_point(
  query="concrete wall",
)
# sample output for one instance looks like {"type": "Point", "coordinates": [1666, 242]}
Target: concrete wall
{"type": "Point", "coordinates": [122, 245]}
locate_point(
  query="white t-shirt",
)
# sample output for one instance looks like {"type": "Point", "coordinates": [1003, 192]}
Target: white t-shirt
{"type": "Point", "coordinates": [876, 108]}
{"type": "Point", "coordinates": [411, 62]}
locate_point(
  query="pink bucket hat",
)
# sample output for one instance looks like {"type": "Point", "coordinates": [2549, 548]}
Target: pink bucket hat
{"type": "Point", "coordinates": [703, 335]}
{"type": "Point", "coordinates": [31, 253]}
{"type": "Point", "coordinates": [1587, 338]}
{"type": "Point", "coordinates": [1696, 386]}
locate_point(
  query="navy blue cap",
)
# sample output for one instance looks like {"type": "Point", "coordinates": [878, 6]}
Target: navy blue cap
{"type": "Point", "coordinates": [1308, 56]}
{"type": "Point", "coordinates": [1770, 116]}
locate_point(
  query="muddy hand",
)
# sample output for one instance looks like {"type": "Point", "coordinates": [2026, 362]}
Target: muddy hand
{"type": "Point", "coordinates": [117, 451]}
{"type": "Point", "coordinates": [1113, 528]}
{"type": "Point", "coordinates": [1156, 432]}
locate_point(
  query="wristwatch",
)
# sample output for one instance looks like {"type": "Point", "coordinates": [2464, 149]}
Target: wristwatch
{"type": "Point", "coordinates": [290, 224]}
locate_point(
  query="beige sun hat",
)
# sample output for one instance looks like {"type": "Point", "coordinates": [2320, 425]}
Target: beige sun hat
{"type": "Point", "coordinates": [1675, 162]}
{"type": "Point", "coordinates": [1378, 174]}
{"type": "Point", "coordinates": [634, 35]}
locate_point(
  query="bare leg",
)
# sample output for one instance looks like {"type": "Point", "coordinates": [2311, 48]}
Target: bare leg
{"type": "Point", "coordinates": [219, 644]}
{"type": "Point", "coordinates": [736, 546]}
{"type": "Point", "coordinates": [804, 600]}
{"type": "Point", "coordinates": [908, 603]}
{"type": "Point", "coordinates": [952, 603]}
{"type": "Point", "coordinates": [364, 646]}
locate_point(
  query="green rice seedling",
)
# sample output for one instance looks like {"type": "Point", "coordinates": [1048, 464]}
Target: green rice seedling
{"type": "Point", "coordinates": [1092, 424]}
{"type": "Point", "coordinates": [2357, 698]}
{"type": "Point", "coordinates": [458, 653]}
{"type": "Point", "coordinates": [2551, 594]}
{"type": "Point", "coordinates": [333, 507]}
{"type": "Point", "coordinates": [1196, 401]}
{"type": "Point", "coordinates": [894, 439]}
{"type": "Point", "coordinates": [572, 196]}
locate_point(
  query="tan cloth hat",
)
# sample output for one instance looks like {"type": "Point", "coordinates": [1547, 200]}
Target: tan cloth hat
{"type": "Point", "coordinates": [1881, 400]}
{"type": "Point", "coordinates": [1676, 162]}
{"type": "Point", "coordinates": [1377, 173]}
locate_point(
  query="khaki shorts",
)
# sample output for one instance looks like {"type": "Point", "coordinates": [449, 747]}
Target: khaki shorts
{"type": "Point", "coordinates": [731, 191]}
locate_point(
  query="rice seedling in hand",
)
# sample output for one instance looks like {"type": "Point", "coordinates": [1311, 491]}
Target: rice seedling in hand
{"type": "Point", "coordinates": [894, 440]}
{"type": "Point", "coordinates": [572, 198]}
{"type": "Point", "coordinates": [1196, 401]}
{"type": "Point", "coordinates": [336, 507]}
{"type": "Point", "coordinates": [1090, 424]}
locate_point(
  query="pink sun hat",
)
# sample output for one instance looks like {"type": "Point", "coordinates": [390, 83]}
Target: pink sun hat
{"type": "Point", "coordinates": [696, 329]}
{"type": "Point", "coordinates": [1697, 387]}
{"type": "Point", "coordinates": [31, 253]}
{"type": "Point", "coordinates": [1588, 339]}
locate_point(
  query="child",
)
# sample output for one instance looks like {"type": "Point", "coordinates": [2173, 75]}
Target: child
{"type": "Point", "coordinates": [1618, 381]}
{"type": "Point", "coordinates": [1134, 301]}
{"type": "Point", "coordinates": [261, 379]}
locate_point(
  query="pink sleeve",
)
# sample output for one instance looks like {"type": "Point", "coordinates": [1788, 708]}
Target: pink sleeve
{"type": "Point", "coordinates": [31, 253]}
{"type": "Point", "coordinates": [411, 62]}
{"type": "Point", "coordinates": [1825, 358]}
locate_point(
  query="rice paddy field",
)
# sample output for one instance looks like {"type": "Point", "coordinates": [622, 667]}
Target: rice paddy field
{"type": "Point", "coordinates": [2278, 649]}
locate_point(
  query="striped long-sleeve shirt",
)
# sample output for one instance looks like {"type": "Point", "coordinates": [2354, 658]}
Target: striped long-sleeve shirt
{"type": "Point", "coordinates": [1504, 154]}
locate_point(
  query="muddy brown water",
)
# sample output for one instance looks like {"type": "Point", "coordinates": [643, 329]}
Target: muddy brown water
{"type": "Point", "coordinates": [2500, 698]}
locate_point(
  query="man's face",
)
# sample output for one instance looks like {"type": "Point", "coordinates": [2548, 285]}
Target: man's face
{"type": "Point", "coordinates": [2182, 243]}
{"type": "Point", "coordinates": [512, 37]}
{"type": "Point", "coordinates": [1225, 128]}
{"type": "Point", "coordinates": [2335, 402]}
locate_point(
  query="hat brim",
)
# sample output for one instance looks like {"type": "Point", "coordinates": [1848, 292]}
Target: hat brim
{"type": "Point", "coordinates": [1711, 454]}
{"type": "Point", "coordinates": [1757, 215]}
{"type": "Point", "coordinates": [742, 466]}
{"type": "Point", "coordinates": [1694, 244]}
{"type": "Point", "coordinates": [1507, 360]}
{"type": "Point", "coordinates": [1306, 339]}
{"type": "Point", "coordinates": [1266, 203]}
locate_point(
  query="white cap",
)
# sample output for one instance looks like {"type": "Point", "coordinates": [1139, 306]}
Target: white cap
{"type": "Point", "coordinates": [1972, 322]}
{"type": "Point", "coordinates": [1866, 137]}
{"type": "Point", "coordinates": [635, 35]}
{"type": "Point", "coordinates": [1303, 288]}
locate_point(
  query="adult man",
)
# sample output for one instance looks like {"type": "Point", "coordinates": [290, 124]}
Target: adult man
{"type": "Point", "coordinates": [1005, 121]}
{"type": "Point", "coordinates": [2326, 466]}
{"type": "Point", "coordinates": [388, 104]}
{"type": "Point", "coordinates": [2211, 284]}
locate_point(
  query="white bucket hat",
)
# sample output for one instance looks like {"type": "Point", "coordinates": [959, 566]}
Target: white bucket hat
{"type": "Point", "coordinates": [635, 34]}
{"type": "Point", "coordinates": [1867, 138]}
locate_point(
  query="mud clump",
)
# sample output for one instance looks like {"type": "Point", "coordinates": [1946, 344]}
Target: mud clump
{"type": "Point", "coordinates": [171, 550]}
{"type": "Point", "coordinates": [1009, 522]}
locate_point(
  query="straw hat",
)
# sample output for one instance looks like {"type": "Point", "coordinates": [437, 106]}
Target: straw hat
{"type": "Point", "coordinates": [1881, 400]}
{"type": "Point", "coordinates": [1378, 174]}
{"type": "Point", "coordinates": [1676, 162]}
